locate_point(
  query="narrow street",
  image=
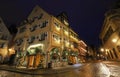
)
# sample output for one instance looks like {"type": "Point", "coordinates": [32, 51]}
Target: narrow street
{"type": "Point", "coordinates": [94, 69]}
{"type": "Point", "coordinates": [91, 69]}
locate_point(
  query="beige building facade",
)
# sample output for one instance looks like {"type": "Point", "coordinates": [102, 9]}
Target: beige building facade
{"type": "Point", "coordinates": [5, 38]}
{"type": "Point", "coordinates": [110, 34]}
{"type": "Point", "coordinates": [43, 40]}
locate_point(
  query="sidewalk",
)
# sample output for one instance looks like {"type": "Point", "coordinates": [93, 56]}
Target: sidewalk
{"type": "Point", "coordinates": [40, 71]}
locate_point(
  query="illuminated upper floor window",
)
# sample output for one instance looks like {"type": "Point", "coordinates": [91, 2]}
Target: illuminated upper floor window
{"type": "Point", "coordinates": [66, 41]}
{"type": "Point", "coordinates": [56, 38]}
{"type": "Point", "coordinates": [65, 22]}
{"type": "Point", "coordinates": [57, 26]}
{"type": "Point", "coordinates": [71, 44]}
{"type": "Point", "coordinates": [65, 30]}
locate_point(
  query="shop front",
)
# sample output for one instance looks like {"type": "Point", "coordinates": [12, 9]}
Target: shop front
{"type": "Point", "coordinates": [35, 57]}
{"type": "Point", "coordinates": [73, 57]}
{"type": "Point", "coordinates": [55, 57]}
{"type": "Point", "coordinates": [65, 54]}
{"type": "Point", "coordinates": [32, 57]}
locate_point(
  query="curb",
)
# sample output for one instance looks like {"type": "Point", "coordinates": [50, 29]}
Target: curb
{"type": "Point", "coordinates": [39, 71]}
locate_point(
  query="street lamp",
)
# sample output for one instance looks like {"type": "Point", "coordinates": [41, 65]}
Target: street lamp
{"type": "Point", "coordinates": [114, 40]}
{"type": "Point", "coordinates": [102, 49]}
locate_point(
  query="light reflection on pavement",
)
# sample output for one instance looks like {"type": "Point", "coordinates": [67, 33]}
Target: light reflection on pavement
{"type": "Point", "coordinates": [100, 70]}
{"type": "Point", "coordinates": [94, 70]}
{"type": "Point", "coordinates": [114, 68]}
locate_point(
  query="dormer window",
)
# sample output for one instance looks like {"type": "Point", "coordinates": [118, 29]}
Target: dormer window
{"type": "Point", "coordinates": [40, 16]}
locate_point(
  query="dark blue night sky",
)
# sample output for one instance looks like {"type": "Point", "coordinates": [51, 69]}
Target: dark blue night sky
{"type": "Point", "coordinates": [85, 16]}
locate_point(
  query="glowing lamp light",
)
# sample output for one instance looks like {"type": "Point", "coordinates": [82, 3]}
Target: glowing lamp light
{"type": "Point", "coordinates": [114, 40]}
{"type": "Point", "coordinates": [10, 49]}
{"type": "Point", "coordinates": [102, 49]}
{"type": "Point", "coordinates": [35, 45]}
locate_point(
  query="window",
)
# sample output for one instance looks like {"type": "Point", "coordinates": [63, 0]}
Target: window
{"type": "Point", "coordinates": [40, 16]}
{"type": "Point", "coordinates": [56, 38]}
{"type": "Point", "coordinates": [66, 42]}
{"type": "Point", "coordinates": [33, 28]}
{"type": "Point", "coordinates": [22, 29]}
{"type": "Point", "coordinates": [57, 26]}
{"type": "Point", "coordinates": [65, 31]}
{"type": "Point", "coordinates": [44, 24]}
{"type": "Point", "coordinates": [31, 20]}
{"type": "Point", "coordinates": [2, 45]}
{"type": "Point", "coordinates": [71, 44]}
{"type": "Point", "coordinates": [4, 37]}
{"type": "Point", "coordinates": [31, 39]}
{"type": "Point", "coordinates": [42, 36]}
{"type": "Point", "coordinates": [19, 42]}
{"type": "Point", "coordinates": [108, 34]}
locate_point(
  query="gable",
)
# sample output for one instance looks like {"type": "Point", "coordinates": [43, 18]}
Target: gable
{"type": "Point", "coordinates": [38, 12]}
{"type": "Point", "coordinates": [3, 27]}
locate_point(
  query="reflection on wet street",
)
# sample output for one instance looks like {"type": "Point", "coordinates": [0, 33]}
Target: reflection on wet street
{"type": "Point", "coordinates": [92, 69]}
{"type": "Point", "coordinates": [87, 70]}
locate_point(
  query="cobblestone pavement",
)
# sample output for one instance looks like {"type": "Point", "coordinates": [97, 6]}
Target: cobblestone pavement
{"type": "Point", "coordinates": [91, 69]}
